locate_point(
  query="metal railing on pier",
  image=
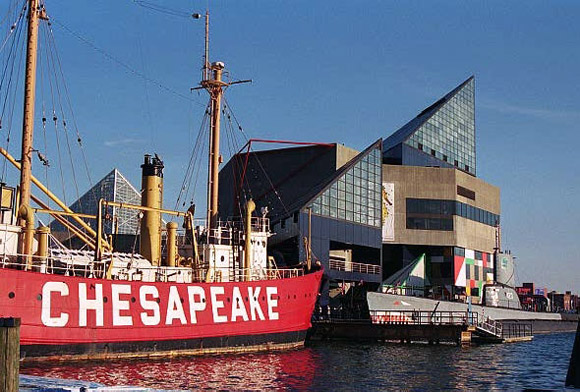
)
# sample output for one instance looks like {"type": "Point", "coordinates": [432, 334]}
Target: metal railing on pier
{"type": "Point", "coordinates": [349, 266]}
{"type": "Point", "coordinates": [492, 326]}
{"type": "Point", "coordinates": [421, 317]}
{"type": "Point", "coordinates": [516, 330]}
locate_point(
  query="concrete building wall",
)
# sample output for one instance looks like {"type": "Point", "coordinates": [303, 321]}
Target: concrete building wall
{"type": "Point", "coordinates": [442, 183]}
{"type": "Point", "coordinates": [344, 155]}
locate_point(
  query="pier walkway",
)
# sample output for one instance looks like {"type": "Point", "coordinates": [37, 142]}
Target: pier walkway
{"type": "Point", "coordinates": [421, 326]}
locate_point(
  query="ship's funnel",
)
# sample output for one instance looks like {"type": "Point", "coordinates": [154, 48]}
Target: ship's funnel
{"type": "Point", "coordinates": [151, 196]}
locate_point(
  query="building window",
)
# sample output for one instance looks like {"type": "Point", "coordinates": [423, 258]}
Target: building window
{"type": "Point", "coordinates": [433, 208]}
{"type": "Point", "coordinates": [459, 251]}
{"type": "Point", "coordinates": [432, 152]}
{"type": "Point", "coordinates": [461, 191]}
{"type": "Point", "coordinates": [356, 195]}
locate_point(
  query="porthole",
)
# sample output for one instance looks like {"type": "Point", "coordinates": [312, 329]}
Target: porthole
{"type": "Point", "coordinates": [105, 299]}
{"type": "Point", "coordinates": [11, 295]}
{"type": "Point", "coordinates": [39, 297]}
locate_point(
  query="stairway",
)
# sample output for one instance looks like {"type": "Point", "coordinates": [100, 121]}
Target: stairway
{"type": "Point", "coordinates": [489, 327]}
{"type": "Point", "coordinates": [489, 330]}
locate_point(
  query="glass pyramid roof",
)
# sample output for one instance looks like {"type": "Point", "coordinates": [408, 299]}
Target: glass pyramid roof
{"type": "Point", "coordinates": [444, 130]}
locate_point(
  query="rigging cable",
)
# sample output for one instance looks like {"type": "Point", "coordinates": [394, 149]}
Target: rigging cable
{"type": "Point", "coordinates": [194, 157]}
{"type": "Point", "coordinates": [261, 166]}
{"type": "Point", "coordinates": [52, 50]}
{"type": "Point", "coordinates": [13, 55]}
{"type": "Point", "coordinates": [161, 9]}
{"type": "Point", "coordinates": [70, 107]}
{"type": "Point", "coordinates": [42, 81]}
{"type": "Point", "coordinates": [13, 27]}
{"type": "Point", "coordinates": [124, 65]}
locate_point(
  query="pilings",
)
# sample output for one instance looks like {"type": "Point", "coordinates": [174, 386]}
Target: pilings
{"type": "Point", "coordinates": [573, 377]}
{"type": "Point", "coordinates": [9, 354]}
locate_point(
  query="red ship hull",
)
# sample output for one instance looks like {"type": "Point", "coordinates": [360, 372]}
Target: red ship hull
{"type": "Point", "coordinates": [72, 317]}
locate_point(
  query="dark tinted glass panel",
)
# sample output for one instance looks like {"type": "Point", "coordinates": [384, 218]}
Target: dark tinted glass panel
{"type": "Point", "coordinates": [442, 210]}
{"type": "Point", "coordinates": [465, 192]}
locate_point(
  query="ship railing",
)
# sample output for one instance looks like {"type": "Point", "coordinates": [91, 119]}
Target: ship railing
{"type": "Point", "coordinates": [516, 330]}
{"type": "Point", "coordinates": [241, 274]}
{"type": "Point", "coordinates": [423, 317]}
{"type": "Point", "coordinates": [491, 325]}
{"type": "Point", "coordinates": [61, 265]}
{"type": "Point", "coordinates": [404, 290]}
{"type": "Point", "coordinates": [350, 266]}
{"type": "Point", "coordinates": [225, 233]}
{"type": "Point", "coordinates": [97, 269]}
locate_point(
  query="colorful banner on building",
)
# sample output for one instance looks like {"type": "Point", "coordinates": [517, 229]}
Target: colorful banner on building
{"type": "Point", "coordinates": [388, 211]}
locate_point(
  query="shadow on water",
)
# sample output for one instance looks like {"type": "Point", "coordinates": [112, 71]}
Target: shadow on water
{"type": "Point", "coordinates": [331, 366]}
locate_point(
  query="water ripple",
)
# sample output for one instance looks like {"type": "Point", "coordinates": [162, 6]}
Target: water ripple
{"type": "Point", "coordinates": [332, 366]}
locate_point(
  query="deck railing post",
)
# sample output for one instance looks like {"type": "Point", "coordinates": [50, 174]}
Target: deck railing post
{"type": "Point", "coordinates": [9, 354]}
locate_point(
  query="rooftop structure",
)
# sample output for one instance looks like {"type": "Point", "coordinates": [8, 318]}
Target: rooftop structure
{"type": "Point", "coordinates": [441, 135]}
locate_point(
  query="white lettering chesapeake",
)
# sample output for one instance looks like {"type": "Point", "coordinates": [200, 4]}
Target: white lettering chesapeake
{"type": "Point", "coordinates": [86, 304]}
{"type": "Point", "coordinates": [174, 307]}
{"type": "Point", "coordinates": [119, 304]}
{"type": "Point", "coordinates": [47, 290]}
{"type": "Point", "coordinates": [152, 305]}
{"type": "Point", "coordinates": [216, 305]}
{"type": "Point", "coordinates": [238, 307]}
{"type": "Point", "coordinates": [255, 308]}
{"type": "Point", "coordinates": [272, 302]}
{"type": "Point", "coordinates": [195, 306]}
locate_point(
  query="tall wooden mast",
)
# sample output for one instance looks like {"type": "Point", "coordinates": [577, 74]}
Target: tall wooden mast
{"type": "Point", "coordinates": [28, 120]}
{"type": "Point", "coordinates": [212, 82]}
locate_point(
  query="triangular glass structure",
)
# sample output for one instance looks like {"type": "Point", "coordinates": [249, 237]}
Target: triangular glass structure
{"type": "Point", "coordinates": [113, 187]}
{"type": "Point", "coordinates": [445, 131]}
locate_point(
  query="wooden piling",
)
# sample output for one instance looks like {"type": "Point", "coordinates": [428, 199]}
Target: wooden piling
{"type": "Point", "coordinates": [9, 354]}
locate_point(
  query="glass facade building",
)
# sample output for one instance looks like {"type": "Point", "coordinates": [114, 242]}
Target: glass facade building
{"type": "Point", "coordinates": [356, 195]}
{"type": "Point", "coordinates": [441, 135]}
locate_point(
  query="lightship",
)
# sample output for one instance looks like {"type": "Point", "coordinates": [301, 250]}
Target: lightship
{"type": "Point", "coordinates": [212, 290]}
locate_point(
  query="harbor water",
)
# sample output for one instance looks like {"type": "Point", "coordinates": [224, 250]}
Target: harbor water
{"type": "Point", "coordinates": [333, 366]}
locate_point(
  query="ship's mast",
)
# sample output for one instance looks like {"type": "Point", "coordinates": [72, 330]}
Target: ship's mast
{"type": "Point", "coordinates": [34, 11]}
{"type": "Point", "coordinates": [215, 88]}
{"type": "Point", "coordinates": [212, 82]}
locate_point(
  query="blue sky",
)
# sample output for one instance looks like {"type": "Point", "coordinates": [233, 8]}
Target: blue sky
{"type": "Point", "coordinates": [347, 72]}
